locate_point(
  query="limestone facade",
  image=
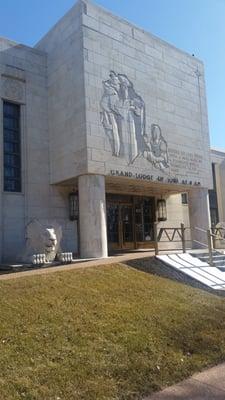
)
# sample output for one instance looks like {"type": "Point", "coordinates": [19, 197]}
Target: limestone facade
{"type": "Point", "coordinates": [106, 108]}
{"type": "Point", "coordinates": [218, 163]}
{"type": "Point", "coordinates": [23, 81]}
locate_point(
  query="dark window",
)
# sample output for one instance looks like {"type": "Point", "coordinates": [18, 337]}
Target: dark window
{"type": "Point", "coordinates": [144, 219]}
{"type": "Point", "coordinates": [12, 147]}
{"type": "Point", "coordinates": [213, 201]}
{"type": "Point", "coordinates": [184, 198]}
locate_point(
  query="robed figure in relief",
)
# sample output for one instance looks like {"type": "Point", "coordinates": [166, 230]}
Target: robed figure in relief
{"type": "Point", "coordinates": [123, 119]}
{"type": "Point", "coordinates": [122, 116]}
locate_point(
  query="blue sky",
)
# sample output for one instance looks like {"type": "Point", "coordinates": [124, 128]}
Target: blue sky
{"type": "Point", "coordinates": [196, 26]}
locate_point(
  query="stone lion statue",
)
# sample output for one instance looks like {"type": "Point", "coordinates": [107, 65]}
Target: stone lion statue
{"type": "Point", "coordinates": [42, 237]}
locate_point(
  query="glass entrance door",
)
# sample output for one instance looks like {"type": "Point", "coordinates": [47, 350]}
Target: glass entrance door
{"type": "Point", "coordinates": [113, 223]}
{"type": "Point", "coordinates": [120, 226]}
{"type": "Point", "coordinates": [127, 226]}
{"type": "Point", "coordinates": [130, 223]}
{"type": "Point", "coordinates": [144, 221]}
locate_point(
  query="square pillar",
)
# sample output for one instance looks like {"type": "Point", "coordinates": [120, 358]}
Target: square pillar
{"type": "Point", "coordinates": [92, 216]}
{"type": "Point", "coordinates": [199, 214]}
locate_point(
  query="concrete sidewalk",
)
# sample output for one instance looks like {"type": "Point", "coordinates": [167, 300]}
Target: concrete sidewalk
{"type": "Point", "coordinates": [207, 385]}
{"type": "Point", "coordinates": [78, 264]}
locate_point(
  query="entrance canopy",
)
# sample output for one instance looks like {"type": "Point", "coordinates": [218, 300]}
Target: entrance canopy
{"type": "Point", "coordinates": [142, 187]}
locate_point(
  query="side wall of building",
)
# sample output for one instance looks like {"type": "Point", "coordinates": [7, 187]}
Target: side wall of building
{"type": "Point", "coordinates": [218, 158]}
{"type": "Point", "coordinates": [66, 100]}
{"type": "Point", "coordinates": [23, 80]}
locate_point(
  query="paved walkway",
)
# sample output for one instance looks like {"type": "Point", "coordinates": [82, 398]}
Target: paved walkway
{"type": "Point", "coordinates": [207, 385]}
{"type": "Point", "coordinates": [80, 264]}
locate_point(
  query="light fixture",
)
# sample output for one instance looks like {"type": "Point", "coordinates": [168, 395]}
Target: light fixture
{"type": "Point", "coordinates": [161, 208]}
{"type": "Point", "coordinates": [73, 206]}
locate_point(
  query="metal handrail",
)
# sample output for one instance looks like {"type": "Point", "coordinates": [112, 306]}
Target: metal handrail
{"type": "Point", "coordinates": [202, 244]}
{"type": "Point", "coordinates": [217, 233]}
{"type": "Point", "coordinates": [180, 231]}
{"type": "Point", "coordinates": [218, 237]}
{"type": "Point", "coordinates": [210, 242]}
{"type": "Point", "coordinates": [199, 229]}
{"type": "Point", "coordinates": [211, 234]}
{"type": "Point", "coordinates": [211, 237]}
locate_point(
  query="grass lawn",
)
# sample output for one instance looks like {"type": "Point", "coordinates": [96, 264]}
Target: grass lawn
{"type": "Point", "coordinates": [109, 332]}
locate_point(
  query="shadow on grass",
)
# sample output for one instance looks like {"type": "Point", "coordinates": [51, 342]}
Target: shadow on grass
{"type": "Point", "coordinates": [152, 265]}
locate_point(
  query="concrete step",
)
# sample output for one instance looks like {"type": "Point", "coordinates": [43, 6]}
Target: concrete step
{"type": "Point", "coordinates": [205, 254]}
{"type": "Point", "coordinates": [215, 257]}
{"type": "Point", "coordinates": [218, 263]}
{"type": "Point", "coordinates": [218, 258]}
{"type": "Point", "coordinates": [195, 269]}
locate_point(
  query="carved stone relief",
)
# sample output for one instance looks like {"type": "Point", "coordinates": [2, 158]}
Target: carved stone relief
{"type": "Point", "coordinates": [13, 89]}
{"type": "Point", "coordinates": [124, 122]}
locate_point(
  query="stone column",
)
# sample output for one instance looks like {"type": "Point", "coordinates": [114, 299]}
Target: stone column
{"type": "Point", "coordinates": [199, 214]}
{"type": "Point", "coordinates": [92, 216]}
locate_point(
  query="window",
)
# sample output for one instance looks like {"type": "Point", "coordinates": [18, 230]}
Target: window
{"type": "Point", "coordinates": [213, 201]}
{"type": "Point", "coordinates": [144, 219]}
{"type": "Point", "coordinates": [12, 147]}
{"type": "Point", "coordinates": [184, 198]}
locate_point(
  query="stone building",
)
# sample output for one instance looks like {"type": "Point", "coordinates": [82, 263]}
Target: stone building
{"type": "Point", "coordinates": [217, 193]}
{"type": "Point", "coordinates": [104, 111]}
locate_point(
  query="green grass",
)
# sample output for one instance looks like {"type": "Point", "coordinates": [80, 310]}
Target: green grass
{"type": "Point", "coordinates": [109, 332]}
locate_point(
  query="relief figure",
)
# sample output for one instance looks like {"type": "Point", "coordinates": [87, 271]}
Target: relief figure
{"type": "Point", "coordinates": [124, 121]}
{"type": "Point", "coordinates": [156, 148]}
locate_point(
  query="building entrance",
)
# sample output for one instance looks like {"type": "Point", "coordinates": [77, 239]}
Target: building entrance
{"type": "Point", "coordinates": [130, 222]}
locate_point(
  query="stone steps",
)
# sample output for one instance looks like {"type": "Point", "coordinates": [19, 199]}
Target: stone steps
{"type": "Point", "coordinates": [196, 269]}
{"type": "Point", "coordinates": [218, 258]}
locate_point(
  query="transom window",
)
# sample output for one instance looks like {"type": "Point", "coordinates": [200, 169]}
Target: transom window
{"type": "Point", "coordinates": [12, 147]}
{"type": "Point", "coordinates": [213, 200]}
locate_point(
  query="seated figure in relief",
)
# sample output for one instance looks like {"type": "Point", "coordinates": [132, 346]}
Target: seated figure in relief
{"type": "Point", "coordinates": [156, 148]}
